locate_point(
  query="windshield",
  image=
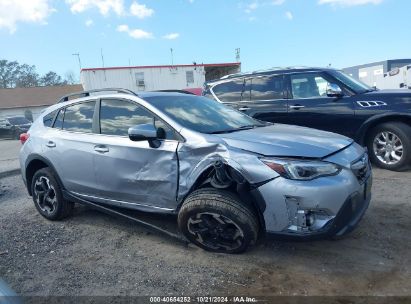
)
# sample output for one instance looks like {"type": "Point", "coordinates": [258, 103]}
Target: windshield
{"type": "Point", "coordinates": [355, 85]}
{"type": "Point", "coordinates": [203, 114]}
{"type": "Point", "coordinates": [18, 121]}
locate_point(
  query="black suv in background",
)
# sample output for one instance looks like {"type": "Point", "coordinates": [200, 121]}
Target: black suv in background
{"type": "Point", "coordinates": [325, 99]}
{"type": "Point", "coordinates": [12, 127]}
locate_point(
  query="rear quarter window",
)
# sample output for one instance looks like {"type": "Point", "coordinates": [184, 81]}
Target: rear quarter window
{"type": "Point", "coordinates": [49, 118]}
{"type": "Point", "coordinates": [229, 91]}
{"type": "Point", "coordinates": [58, 124]}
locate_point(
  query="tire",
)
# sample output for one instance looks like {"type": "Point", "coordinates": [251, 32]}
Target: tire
{"type": "Point", "coordinates": [376, 140]}
{"type": "Point", "coordinates": [218, 221]}
{"type": "Point", "coordinates": [47, 196]}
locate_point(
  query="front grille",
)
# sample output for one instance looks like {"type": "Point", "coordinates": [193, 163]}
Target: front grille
{"type": "Point", "coordinates": [361, 168]}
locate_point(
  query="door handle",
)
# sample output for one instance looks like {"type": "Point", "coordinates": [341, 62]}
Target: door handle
{"type": "Point", "coordinates": [244, 109]}
{"type": "Point", "coordinates": [51, 144]}
{"type": "Point", "coordinates": [101, 149]}
{"type": "Point", "coordinates": [296, 107]}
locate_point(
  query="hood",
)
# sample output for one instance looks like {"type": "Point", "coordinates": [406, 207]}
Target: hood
{"type": "Point", "coordinates": [287, 141]}
{"type": "Point", "coordinates": [399, 99]}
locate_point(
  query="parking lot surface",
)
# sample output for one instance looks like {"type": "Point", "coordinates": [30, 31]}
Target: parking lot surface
{"type": "Point", "coordinates": [95, 254]}
{"type": "Point", "coordinates": [9, 154]}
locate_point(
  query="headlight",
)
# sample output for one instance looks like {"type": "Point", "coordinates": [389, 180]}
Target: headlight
{"type": "Point", "coordinates": [301, 169]}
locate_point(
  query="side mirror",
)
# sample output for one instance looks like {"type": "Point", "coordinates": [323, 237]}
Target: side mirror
{"type": "Point", "coordinates": [334, 90]}
{"type": "Point", "coordinates": [142, 132]}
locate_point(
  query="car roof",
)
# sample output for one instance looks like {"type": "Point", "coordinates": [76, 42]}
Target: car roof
{"type": "Point", "coordinates": [143, 95]}
{"type": "Point", "coordinates": [270, 71]}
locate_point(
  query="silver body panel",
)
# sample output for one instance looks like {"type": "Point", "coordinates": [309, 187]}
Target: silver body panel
{"type": "Point", "coordinates": [134, 175]}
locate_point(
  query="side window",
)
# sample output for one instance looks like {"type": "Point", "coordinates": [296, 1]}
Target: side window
{"type": "Point", "coordinates": [229, 91]}
{"type": "Point", "coordinates": [267, 88]}
{"type": "Point", "coordinates": [79, 117]}
{"type": "Point", "coordinates": [48, 119]}
{"type": "Point", "coordinates": [140, 83]}
{"type": "Point", "coordinates": [310, 85]}
{"type": "Point", "coordinates": [117, 116]}
{"type": "Point", "coordinates": [58, 123]}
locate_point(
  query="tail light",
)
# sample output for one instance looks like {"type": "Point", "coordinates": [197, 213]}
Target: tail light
{"type": "Point", "coordinates": [24, 137]}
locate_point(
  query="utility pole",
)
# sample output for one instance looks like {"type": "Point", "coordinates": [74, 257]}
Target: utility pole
{"type": "Point", "coordinates": [172, 57]}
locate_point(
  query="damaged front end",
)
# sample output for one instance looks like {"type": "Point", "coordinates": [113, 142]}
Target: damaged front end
{"type": "Point", "coordinates": [293, 196]}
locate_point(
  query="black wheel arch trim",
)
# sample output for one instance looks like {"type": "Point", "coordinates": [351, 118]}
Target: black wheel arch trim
{"type": "Point", "coordinates": [37, 157]}
{"type": "Point", "coordinates": [390, 116]}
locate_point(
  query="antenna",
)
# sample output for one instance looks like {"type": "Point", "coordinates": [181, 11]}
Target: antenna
{"type": "Point", "coordinates": [79, 63]}
{"type": "Point", "coordinates": [237, 54]}
{"type": "Point", "coordinates": [102, 57]}
{"type": "Point", "coordinates": [78, 57]}
{"type": "Point", "coordinates": [172, 57]}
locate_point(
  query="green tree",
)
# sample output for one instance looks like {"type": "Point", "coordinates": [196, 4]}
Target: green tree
{"type": "Point", "coordinates": [52, 79]}
{"type": "Point", "coordinates": [9, 71]}
{"type": "Point", "coordinates": [27, 76]}
{"type": "Point", "coordinates": [15, 75]}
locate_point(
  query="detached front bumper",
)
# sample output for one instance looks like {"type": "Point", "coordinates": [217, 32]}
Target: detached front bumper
{"type": "Point", "coordinates": [328, 206]}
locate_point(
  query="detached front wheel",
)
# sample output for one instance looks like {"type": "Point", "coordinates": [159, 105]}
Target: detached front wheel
{"type": "Point", "coordinates": [218, 221]}
{"type": "Point", "coordinates": [390, 146]}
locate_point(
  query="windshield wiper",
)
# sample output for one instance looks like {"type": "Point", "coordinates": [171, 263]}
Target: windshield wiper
{"type": "Point", "coordinates": [236, 129]}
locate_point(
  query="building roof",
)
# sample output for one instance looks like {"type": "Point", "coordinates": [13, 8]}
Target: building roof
{"type": "Point", "coordinates": [35, 96]}
{"type": "Point", "coordinates": [164, 66]}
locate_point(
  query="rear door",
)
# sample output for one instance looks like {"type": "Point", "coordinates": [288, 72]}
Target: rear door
{"type": "Point", "coordinates": [69, 145]}
{"type": "Point", "coordinates": [134, 173]}
{"type": "Point", "coordinates": [310, 106]}
{"type": "Point", "coordinates": [264, 98]}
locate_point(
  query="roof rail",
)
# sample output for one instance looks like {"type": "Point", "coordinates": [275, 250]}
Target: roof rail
{"type": "Point", "coordinates": [87, 93]}
{"type": "Point", "coordinates": [175, 91]}
{"type": "Point", "coordinates": [273, 69]}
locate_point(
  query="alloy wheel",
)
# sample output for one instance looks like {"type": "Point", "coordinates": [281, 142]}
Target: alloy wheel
{"type": "Point", "coordinates": [215, 231]}
{"type": "Point", "coordinates": [45, 195]}
{"type": "Point", "coordinates": [388, 148]}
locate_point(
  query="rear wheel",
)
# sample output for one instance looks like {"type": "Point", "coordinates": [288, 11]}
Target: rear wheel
{"type": "Point", "coordinates": [390, 146]}
{"type": "Point", "coordinates": [218, 221]}
{"type": "Point", "coordinates": [47, 196]}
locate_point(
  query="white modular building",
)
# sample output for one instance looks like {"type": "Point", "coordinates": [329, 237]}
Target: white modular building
{"type": "Point", "coordinates": [159, 77]}
{"type": "Point", "coordinates": [388, 74]}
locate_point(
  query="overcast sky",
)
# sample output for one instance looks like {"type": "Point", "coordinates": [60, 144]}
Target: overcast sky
{"type": "Point", "coordinates": [268, 32]}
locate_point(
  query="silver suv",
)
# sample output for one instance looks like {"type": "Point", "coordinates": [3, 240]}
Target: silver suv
{"type": "Point", "coordinates": [230, 178]}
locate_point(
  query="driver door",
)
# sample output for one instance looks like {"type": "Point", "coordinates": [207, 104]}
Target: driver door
{"type": "Point", "coordinates": [133, 173]}
{"type": "Point", "coordinates": [310, 106]}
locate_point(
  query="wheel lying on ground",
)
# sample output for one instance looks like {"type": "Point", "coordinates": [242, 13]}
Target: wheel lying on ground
{"type": "Point", "coordinates": [218, 221]}
{"type": "Point", "coordinates": [47, 196]}
{"type": "Point", "coordinates": [389, 146]}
